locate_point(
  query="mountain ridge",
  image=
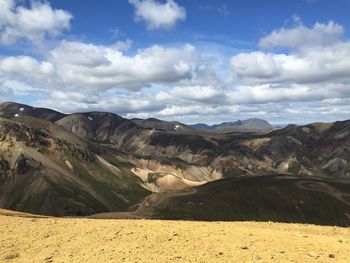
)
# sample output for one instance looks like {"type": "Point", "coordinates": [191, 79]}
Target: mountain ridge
{"type": "Point", "coordinates": [86, 163]}
{"type": "Point", "coordinates": [254, 124]}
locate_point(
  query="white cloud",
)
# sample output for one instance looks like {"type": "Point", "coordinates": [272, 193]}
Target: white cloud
{"type": "Point", "coordinates": [321, 34]}
{"type": "Point", "coordinates": [185, 84]}
{"type": "Point", "coordinates": [189, 93]}
{"type": "Point", "coordinates": [87, 73]}
{"type": "Point", "coordinates": [311, 65]}
{"type": "Point", "coordinates": [158, 15]}
{"type": "Point", "coordinates": [106, 67]}
{"type": "Point", "coordinates": [183, 110]}
{"type": "Point", "coordinates": [267, 93]}
{"type": "Point", "coordinates": [78, 101]}
{"type": "Point", "coordinates": [24, 74]}
{"type": "Point", "coordinates": [25, 65]}
{"type": "Point", "coordinates": [31, 24]}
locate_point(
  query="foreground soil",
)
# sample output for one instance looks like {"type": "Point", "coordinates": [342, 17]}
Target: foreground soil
{"type": "Point", "coordinates": [35, 239]}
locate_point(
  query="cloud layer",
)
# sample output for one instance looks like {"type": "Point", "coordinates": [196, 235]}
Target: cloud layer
{"type": "Point", "coordinates": [296, 71]}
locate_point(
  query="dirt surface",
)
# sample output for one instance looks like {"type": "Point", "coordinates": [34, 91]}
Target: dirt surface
{"type": "Point", "coordinates": [95, 240]}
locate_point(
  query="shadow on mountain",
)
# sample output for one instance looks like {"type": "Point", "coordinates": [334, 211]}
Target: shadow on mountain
{"type": "Point", "coordinates": [278, 198]}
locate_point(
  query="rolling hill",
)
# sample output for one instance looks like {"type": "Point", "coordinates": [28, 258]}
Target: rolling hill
{"type": "Point", "coordinates": [277, 198]}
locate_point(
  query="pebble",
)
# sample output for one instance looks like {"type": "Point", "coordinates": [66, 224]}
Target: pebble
{"type": "Point", "coordinates": [313, 254]}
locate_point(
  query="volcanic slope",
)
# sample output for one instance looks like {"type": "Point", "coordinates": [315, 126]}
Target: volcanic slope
{"type": "Point", "coordinates": [169, 160]}
{"type": "Point", "coordinates": [278, 198]}
{"type": "Point", "coordinates": [50, 171]}
{"type": "Point", "coordinates": [91, 150]}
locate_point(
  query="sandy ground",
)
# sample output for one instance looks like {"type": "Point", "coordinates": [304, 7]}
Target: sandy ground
{"type": "Point", "coordinates": [102, 240]}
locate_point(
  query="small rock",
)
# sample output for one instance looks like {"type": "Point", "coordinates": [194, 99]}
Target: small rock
{"type": "Point", "coordinates": [244, 247]}
{"type": "Point", "coordinates": [331, 256]}
{"type": "Point", "coordinates": [313, 254]}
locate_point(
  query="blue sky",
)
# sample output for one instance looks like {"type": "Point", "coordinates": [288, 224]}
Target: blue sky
{"type": "Point", "coordinates": [235, 20]}
{"type": "Point", "coordinates": [191, 61]}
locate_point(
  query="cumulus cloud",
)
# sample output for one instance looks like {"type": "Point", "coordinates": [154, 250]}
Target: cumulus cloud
{"type": "Point", "coordinates": [78, 76]}
{"type": "Point", "coordinates": [180, 82]}
{"type": "Point", "coordinates": [158, 15]}
{"type": "Point", "coordinates": [32, 24]}
{"type": "Point", "coordinates": [76, 101]}
{"type": "Point", "coordinates": [312, 65]}
{"type": "Point", "coordinates": [98, 68]}
{"type": "Point", "coordinates": [105, 67]}
{"type": "Point", "coordinates": [190, 93]}
{"type": "Point", "coordinates": [24, 75]}
{"type": "Point", "coordinates": [321, 34]}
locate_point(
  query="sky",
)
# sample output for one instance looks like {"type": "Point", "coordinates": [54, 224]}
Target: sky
{"type": "Point", "coordinates": [192, 61]}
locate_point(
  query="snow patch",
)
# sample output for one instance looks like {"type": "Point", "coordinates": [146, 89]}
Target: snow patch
{"type": "Point", "coordinates": [178, 127]}
{"type": "Point", "coordinates": [16, 115]}
{"type": "Point", "coordinates": [90, 118]}
{"type": "Point", "coordinates": [21, 109]}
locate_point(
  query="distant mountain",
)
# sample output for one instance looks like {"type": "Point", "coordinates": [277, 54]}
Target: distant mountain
{"type": "Point", "coordinates": [279, 126]}
{"type": "Point", "coordinates": [202, 126]}
{"type": "Point", "coordinates": [240, 125]}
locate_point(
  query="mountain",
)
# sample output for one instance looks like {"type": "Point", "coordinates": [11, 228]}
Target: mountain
{"type": "Point", "coordinates": [167, 126]}
{"type": "Point", "coordinates": [237, 126]}
{"type": "Point", "coordinates": [84, 163]}
{"type": "Point", "coordinates": [250, 124]}
{"type": "Point", "coordinates": [13, 110]}
{"type": "Point", "coordinates": [98, 126]}
{"type": "Point", "coordinates": [201, 126]}
{"type": "Point", "coordinates": [46, 170]}
{"type": "Point", "coordinates": [278, 198]}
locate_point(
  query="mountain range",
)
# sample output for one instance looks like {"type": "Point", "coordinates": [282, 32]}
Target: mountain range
{"type": "Point", "coordinates": [96, 162]}
{"type": "Point", "coordinates": [240, 126]}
